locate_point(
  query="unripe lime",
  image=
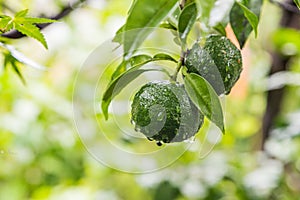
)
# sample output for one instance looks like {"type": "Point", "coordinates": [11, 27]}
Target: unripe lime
{"type": "Point", "coordinates": [219, 62]}
{"type": "Point", "coordinates": [162, 111]}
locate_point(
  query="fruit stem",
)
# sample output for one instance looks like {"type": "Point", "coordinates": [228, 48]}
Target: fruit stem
{"type": "Point", "coordinates": [179, 65]}
{"type": "Point", "coordinates": [182, 4]}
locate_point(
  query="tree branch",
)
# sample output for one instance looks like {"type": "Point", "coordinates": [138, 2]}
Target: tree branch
{"type": "Point", "coordinates": [289, 19]}
{"type": "Point", "coordinates": [14, 34]}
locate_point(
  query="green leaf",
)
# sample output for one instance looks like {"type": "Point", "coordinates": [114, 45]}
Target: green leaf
{"type": "Point", "coordinates": [18, 72]}
{"type": "Point", "coordinates": [21, 13]}
{"type": "Point", "coordinates": [168, 25]}
{"type": "Point", "coordinates": [131, 7]}
{"type": "Point", "coordinates": [116, 86]}
{"type": "Point", "coordinates": [251, 17]}
{"type": "Point", "coordinates": [9, 59]}
{"type": "Point", "coordinates": [32, 31]}
{"type": "Point", "coordinates": [120, 69]}
{"type": "Point", "coordinates": [163, 56]}
{"type": "Point", "coordinates": [138, 60]}
{"type": "Point", "coordinates": [205, 98]}
{"type": "Point", "coordinates": [25, 25]}
{"type": "Point", "coordinates": [33, 20]}
{"type": "Point", "coordinates": [20, 17]}
{"type": "Point", "coordinates": [173, 17]}
{"type": "Point", "coordinates": [6, 23]}
{"type": "Point", "coordinates": [144, 14]}
{"type": "Point", "coordinates": [119, 37]}
{"type": "Point", "coordinates": [220, 28]}
{"type": "Point", "coordinates": [187, 20]}
{"type": "Point", "coordinates": [240, 23]}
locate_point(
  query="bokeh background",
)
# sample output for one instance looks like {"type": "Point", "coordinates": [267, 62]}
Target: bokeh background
{"type": "Point", "coordinates": [42, 156]}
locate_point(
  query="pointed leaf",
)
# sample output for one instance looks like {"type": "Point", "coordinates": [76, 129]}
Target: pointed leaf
{"type": "Point", "coordinates": [18, 72]}
{"type": "Point", "coordinates": [138, 60]}
{"type": "Point", "coordinates": [33, 20]}
{"type": "Point", "coordinates": [32, 31]}
{"type": "Point", "coordinates": [173, 17]}
{"type": "Point", "coordinates": [220, 28]}
{"type": "Point", "coordinates": [164, 56]}
{"type": "Point", "coordinates": [116, 86]}
{"type": "Point", "coordinates": [205, 98]}
{"type": "Point", "coordinates": [187, 20]}
{"type": "Point", "coordinates": [9, 59]}
{"type": "Point", "coordinates": [21, 13]}
{"type": "Point", "coordinates": [168, 25]}
{"type": "Point", "coordinates": [144, 14]}
{"type": "Point", "coordinates": [6, 24]}
{"type": "Point", "coordinates": [239, 22]}
{"type": "Point", "coordinates": [119, 37]}
{"type": "Point", "coordinates": [251, 17]}
{"type": "Point", "coordinates": [120, 69]}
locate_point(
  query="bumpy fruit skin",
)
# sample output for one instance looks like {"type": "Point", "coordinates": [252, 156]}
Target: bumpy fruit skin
{"type": "Point", "coordinates": [219, 62]}
{"type": "Point", "coordinates": [162, 111]}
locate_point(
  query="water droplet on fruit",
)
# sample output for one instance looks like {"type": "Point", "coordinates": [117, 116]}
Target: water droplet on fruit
{"type": "Point", "coordinates": [137, 129]}
{"type": "Point", "coordinates": [190, 140]}
{"type": "Point", "coordinates": [132, 122]}
{"type": "Point", "coordinates": [160, 116]}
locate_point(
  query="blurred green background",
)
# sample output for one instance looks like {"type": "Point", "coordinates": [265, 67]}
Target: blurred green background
{"type": "Point", "coordinates": [43, 157]}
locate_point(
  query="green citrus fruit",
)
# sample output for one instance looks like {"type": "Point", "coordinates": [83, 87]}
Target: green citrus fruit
{"type": "Point", "coordinates": [219, 62]}
{"type": "Point", "coordinates": [162, 111]}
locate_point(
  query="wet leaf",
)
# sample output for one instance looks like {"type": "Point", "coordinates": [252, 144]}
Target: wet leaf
{"type": "Point", "coordinates": [205, 98]}
{"type": "Point", "coordinates": [164, 56]}
{"type": "Point", "coordinates": [118, 84]}
{"type": "Point", "coordinates": [244, 17]}
{"type": "Point", "coordinates": [143, 14]}
{"type": "Point", "coordinates": [187, 20]}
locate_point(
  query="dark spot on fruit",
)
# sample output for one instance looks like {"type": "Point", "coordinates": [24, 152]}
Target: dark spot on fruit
{"type": "Point", "coordinates": [159, 143]}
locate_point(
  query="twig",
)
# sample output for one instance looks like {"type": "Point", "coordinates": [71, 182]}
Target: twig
{"type": "Point", "coordinates": [14, 34]}
{"type": "Point", "coordinates": [179, 65]}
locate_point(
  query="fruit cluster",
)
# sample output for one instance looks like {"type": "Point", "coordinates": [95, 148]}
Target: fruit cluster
{"type": "Point", "coordinates": [163, 110]}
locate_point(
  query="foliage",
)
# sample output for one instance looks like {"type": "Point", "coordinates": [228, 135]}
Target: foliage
{"type": "Point", "coordinates": [227, 58]}
{"type": "Point", "coordinates": [24, 24]}
{"type": "Point", "coordinates": [42, 156]}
